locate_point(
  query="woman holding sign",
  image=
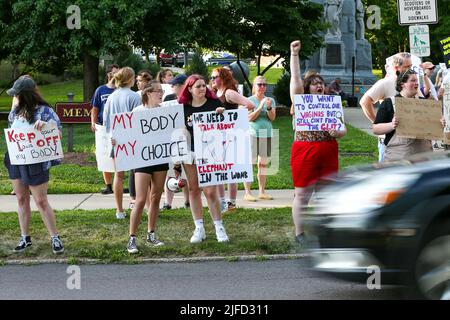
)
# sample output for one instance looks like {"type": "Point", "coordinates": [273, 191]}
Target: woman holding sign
{"type": "Point", "coordinates": [225, 86]}
{"type": "Point", "coordinates": [398, 148]}
{"type": "Point", "coordinates": [314, 153]}
{"type": "Point", "coordinates": [32, 111]}
{"type": "Point", "coordinates": [196, 97]}
{"type": "Point", "coordinates": [148, 180]}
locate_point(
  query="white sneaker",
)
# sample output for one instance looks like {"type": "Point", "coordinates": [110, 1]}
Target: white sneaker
{"type": "Point", "coordinates": [221, 235]}
{"type": "Point", "coordinates": [120, 215]}
{"type": "Point", "coordinates": [198, 236]}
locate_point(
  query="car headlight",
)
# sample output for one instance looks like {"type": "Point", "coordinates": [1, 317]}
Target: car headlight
{"type": "Point", "coordinates": [365, 195]}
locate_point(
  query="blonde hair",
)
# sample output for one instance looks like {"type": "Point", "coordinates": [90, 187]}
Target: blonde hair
{"type": "Point", "coordinates": [255, 81]}
{"type": "Point", "coordinates": [124, 77]}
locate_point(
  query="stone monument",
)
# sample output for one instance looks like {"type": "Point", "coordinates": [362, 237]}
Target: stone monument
{"type": "Point", "coordinates": [344, 39]}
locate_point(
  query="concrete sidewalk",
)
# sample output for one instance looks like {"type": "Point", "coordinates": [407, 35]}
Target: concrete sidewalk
{"type": "Point", "coordinates": [93, 201]}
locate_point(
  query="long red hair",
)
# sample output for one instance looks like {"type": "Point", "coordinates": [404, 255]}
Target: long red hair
{"type": "Point", "coordinates": [227, 79]}
{"type": "Point", "coordinates": [186, 96]}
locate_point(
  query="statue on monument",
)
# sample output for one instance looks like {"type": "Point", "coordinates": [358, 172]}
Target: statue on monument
{"type": "Point", "coordinates": [333, 9]}
{"type": "Point", "coordinates": [360, 28]}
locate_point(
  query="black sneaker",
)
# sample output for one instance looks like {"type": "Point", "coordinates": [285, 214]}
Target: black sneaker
{"type": "Point", "coordinates": [151, 240]}
{"type": "Point", "coordinates": [187, 205]}
{"type": "Point", "coordinates": [166, 207]}
{"type": "Point", "coordinates": [24, 242]}
{"type": "Point", "coordinates": [106, 191]}
{"type": "Point", "coordinates": [301, 239]}
{"type": "Point", "coordinates": [132, 246]}
{"type": "Point", "coordinates": [57, 245]}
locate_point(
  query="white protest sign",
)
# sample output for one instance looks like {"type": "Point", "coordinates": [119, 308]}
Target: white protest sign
{"type": "Point", "coordinates": [103, 149]}
{"type": "Point", "coordinates": [28, 146]}
{"type": "Point", "coordinates": [149, 137]}
{"type": "Point", "coordinates": [318, 112]}
{"type": "Point", "coordinates": [222, 147]}
{"type": "Point", "coordinates": [446, 104]}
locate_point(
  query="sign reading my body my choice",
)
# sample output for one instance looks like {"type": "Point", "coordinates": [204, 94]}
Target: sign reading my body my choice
{"type": "Point", "coordinates": [149, 137]}
{"type": "Point", "coordinates": [318, 113]}
{"type": "Point", "coordinates": [28, 146]}
{"type": "Point", "coordinates": [222, 147]}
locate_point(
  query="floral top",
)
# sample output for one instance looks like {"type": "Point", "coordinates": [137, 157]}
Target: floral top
{"type": "Point", "coordinates": [313, 136]}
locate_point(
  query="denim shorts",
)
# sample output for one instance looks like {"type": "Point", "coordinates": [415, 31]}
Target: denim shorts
{"type": "Point", "coordinates": [29, 174]}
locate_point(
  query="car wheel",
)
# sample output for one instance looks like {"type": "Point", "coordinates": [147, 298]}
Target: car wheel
{"type": "Point", "coordinates": [432, 271]}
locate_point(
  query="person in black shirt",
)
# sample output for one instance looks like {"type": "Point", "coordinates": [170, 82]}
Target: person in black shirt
{"type": "Point", "coordinates": [398, 148]}
{"type": "Point", "coordinates": [196, 97]}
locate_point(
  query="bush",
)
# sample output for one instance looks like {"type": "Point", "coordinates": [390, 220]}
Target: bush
{"type": "Point", "coordinates": [130, 59]}
{"type": "Point", "coordinates": [281, 90]}
{"type": "Point", "coordinates": [154, 68]}
{"type": "Point", "coordinates": [197, 66]}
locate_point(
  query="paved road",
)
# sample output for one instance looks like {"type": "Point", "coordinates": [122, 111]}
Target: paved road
{"type": "Point", "coordinates": [218, 280]}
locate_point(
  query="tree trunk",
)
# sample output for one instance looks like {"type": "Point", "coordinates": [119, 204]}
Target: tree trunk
{"type": "Point", "coordinates": [90, 79]}
{"type": "Point", "coordinates": [15, 71]}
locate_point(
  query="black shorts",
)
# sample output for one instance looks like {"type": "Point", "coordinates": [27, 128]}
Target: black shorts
{"type": "Point", "coordinates": [29, 174]}
{"type": "Point", "coordinates": [151, 169]}
{"type": "Point", "coordinates": [261, 147]}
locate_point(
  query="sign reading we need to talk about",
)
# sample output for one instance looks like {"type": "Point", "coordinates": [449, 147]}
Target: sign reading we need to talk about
{"type": "Point", "coordinates": [28, 146]}
{"type": "Point", "coordinates": [222, 147]}
{"type": "Point", "coordinates": [318, 113]}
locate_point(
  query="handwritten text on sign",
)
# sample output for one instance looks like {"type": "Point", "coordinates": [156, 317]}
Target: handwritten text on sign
{"type": "Point", "coordinates": [419, 118]}
{"type": "Point", "coordinates": [28, 146]}
{"type": "Point", "coordinates": [148, 137]}
{"type": "Point", "coordinates": [318, 113]}
{"type": "Point", "coordinates": [222, 147]}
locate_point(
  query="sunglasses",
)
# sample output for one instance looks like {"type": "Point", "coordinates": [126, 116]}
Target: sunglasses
{"type": "Point", "coordinates": [214, 77]}
{"type": "Point", "coordinates": [261, 84]}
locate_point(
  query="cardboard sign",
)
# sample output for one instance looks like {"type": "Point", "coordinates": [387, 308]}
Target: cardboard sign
{"type": "Point", "coordinates": [419, 118]}
{"type": "Point", "coordinates": [318, 112]}
{"type": "Point", "coordinates": [103, 149]}
{"type": "Point", "coordinates": [74, 112]}
{"type": "Point", "coordinates": [149, 137]}
{"type": "Point", "coordinates": [222, 147]}
{"type": "Point", "coordinates": [28, 146]}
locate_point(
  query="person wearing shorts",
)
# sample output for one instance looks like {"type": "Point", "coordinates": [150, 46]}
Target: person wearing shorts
{"type": "Point", "coordinates": [31, 110]}
{"type": "Point", "coordinates": [314, 154]}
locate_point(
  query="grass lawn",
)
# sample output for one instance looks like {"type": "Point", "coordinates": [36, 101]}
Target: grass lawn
{"type": "Point", "coordinates": [355, 148]}
{"type": "Point", "coordinates": [99, 235]}
{"type": "Point", "coordinates": [52, 93]}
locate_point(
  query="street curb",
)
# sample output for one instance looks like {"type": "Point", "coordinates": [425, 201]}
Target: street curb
{"type": "Point", "coordinates": [156, 260]}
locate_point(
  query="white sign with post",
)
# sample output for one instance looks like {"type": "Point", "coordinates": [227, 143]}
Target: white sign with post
{"type": "Point", "coordinates": [412, 12]}
{"type": "Point", "coordinates": [419, 40]}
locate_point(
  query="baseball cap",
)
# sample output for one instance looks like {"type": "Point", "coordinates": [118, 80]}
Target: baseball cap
{"type": "Point", "coordinates": [179, 79]}
{"type": "Point", "coordinates": [22, 83]}
{"type": "Point", "coordinates": [427, 65]}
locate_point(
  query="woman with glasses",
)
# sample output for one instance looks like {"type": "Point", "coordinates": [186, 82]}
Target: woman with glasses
{"type": "Point", "coordinates": [196, 97]}
{"type": "Point", "coordinates": [225, 87]}
{"type": "Point", "coordinates": [398, 148]}
{"type": "Point", "coordinates": [314, 154]}
{"type": "Point", "coordinates": [261, 131]}
{"type": "Point", "coordinates": [149, 180]}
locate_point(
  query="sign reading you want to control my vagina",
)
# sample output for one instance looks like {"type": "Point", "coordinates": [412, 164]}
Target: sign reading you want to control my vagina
{"type": "Point", "coordinates": [318, 112]}
{"type": "Point", "coordinates": [149, 137]}
{"type": "Point", "coordinates": [28, 146]}
{"type": "Point", "coordinates": [222, 147]}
